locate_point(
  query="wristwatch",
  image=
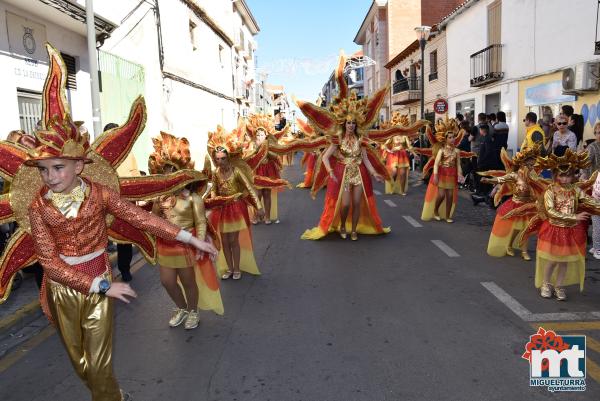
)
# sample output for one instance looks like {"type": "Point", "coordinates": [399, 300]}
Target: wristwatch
{"type": "Point", "coordinates": [103, 286]}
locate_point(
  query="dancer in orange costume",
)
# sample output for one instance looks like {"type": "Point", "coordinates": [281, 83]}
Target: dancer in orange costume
{"type": "Point", "coordinates": [231, 193]}
{"type": "Point", "coordinates": [65, 198]}
{"type": "Point", "coordinates": [349, 162]}
{"type": "Point", "coordinates": [442, 191]}
{"type": "Point", "coordinates": [309, 160]}
{"type": "Point", "coordinates": [562, 212]}
{"type": "Point", "coordinates": [189, 279]}
{"type": "Point", "coordinates": [395, 153]}
{"type": "Point", "coordinates": [260, 129]}
{"type": "Point", "coordinates": [512, 180]}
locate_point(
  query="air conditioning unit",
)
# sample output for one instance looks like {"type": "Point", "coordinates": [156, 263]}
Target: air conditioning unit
{"type": "Point", "coordinates": [581, 77]}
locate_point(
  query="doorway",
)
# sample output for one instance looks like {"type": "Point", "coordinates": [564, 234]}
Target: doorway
{"type": "Point", "coordinates": [492, 103]}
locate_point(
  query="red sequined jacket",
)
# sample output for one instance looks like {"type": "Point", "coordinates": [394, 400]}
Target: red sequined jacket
{"type": "Point", "coordinates": [53, 234]}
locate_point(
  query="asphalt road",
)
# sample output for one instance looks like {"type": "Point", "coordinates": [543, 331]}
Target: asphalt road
{"type": "Point", "coordinates": [385, 318]}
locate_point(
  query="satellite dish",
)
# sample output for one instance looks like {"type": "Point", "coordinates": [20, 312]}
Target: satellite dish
{"type": "Point", "coordinates": [568, 79]}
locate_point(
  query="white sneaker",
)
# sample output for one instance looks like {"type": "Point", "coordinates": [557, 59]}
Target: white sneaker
{"type": "Point", "coordinates": [592, 250]}
{"type": "Point", "coordinates": [597, 255]}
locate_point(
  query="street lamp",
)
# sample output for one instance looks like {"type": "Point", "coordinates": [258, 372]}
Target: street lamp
{"type": "Point", "coordinates": [422, 36]}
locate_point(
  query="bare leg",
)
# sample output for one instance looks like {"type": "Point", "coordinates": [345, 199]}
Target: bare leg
{"type": "Point", "coordinates": [561, 273]}
{"type": "Point", "coordinates": [344, 210]}
{"type": "Point", "coordinates": [438, 201]}
{"type": "Point", "coordinates": [548, 271]}
{"type": "Point", "coordinates": [168, 278]}
{"type": "Point", "coordinates": [187, 277]}
{"type": "Point", "coordinates": [266, 199]}
{"type": "Point", "coordinates": [234, 243]}
{"type": "Point", "coordinates": [227, 251]}
{"type": "Point", "coordinates": [394, 173]}
{"type": "Point", "coordinates": [449, 199]}
{"type": "Point", "coordinates": [356, 202]}
{"type": "Point", "coordinates": [402, 173]}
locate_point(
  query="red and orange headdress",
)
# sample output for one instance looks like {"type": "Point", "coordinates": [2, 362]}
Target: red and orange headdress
{"type": "Point", "coordinates": [569, 163]}
{"type": "Point", "coordinates": [445, 127]}
{"type": "Point", "coordinates": [169, 151]}
{"type": "Point", "coordinates": [345, 107]}
{"type": "Point", "coordinates": [230, 142]}
{"type": "Point", "coordinates": [257, 122]}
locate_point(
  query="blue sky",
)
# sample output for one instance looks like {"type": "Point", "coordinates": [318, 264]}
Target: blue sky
{"type": "Point", "coordinates": [299, 41]}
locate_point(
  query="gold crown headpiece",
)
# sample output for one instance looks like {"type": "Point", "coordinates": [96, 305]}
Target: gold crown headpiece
{"type": "Point", "coordinates": [526, 154]}
{"type": "Point", "coordinates": [350, 108]}
{"type": "Point", "coordinates": [260, 121]}
{"type": "Point", "coordinates": [445, 127]}
{"type": "Point", "coordinates": [221, 140]}
{"type": "Point", "coordinates": [397, 120]}
{"type": "Point", "coordinates": [169, 151]}
{"type": "Point", "coordinates": [569, 163]}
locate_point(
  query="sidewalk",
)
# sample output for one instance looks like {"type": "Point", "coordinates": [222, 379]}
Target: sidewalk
{"type": "Point", "coordinates": [21, 316]}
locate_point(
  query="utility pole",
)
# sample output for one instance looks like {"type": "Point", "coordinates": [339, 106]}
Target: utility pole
{"type": "Point", "coordinates": [92, 55]}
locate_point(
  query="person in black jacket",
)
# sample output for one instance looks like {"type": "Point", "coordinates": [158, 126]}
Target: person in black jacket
{"type": "Point", "coordinates": [486, 160]}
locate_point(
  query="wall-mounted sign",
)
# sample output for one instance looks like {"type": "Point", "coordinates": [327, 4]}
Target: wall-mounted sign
{"type": "Point", "coordinates": [440, 106]}
{"type": "Point", "coordinates": [26, 38]}
{"type": "Point", "coordinates": [548, 93]}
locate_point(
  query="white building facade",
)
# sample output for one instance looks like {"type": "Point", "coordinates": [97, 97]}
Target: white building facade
{"type": "Point", "coordinates": [514, 57]}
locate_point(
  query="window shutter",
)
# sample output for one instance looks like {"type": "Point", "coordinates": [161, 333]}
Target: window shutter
{"type": "Point", "coordinates": [494, 23]}
{"type": "Point", "coordinates": [71, 71]}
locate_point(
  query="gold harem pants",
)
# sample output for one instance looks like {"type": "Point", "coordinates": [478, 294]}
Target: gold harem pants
{"type": "Point", "coordinates": [85, 326]}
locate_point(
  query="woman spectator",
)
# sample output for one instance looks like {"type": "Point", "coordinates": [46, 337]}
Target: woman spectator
{"type": "Point", "coordinates": [593, 150]}
{"type": "Point", "coordinates": [563, 139]}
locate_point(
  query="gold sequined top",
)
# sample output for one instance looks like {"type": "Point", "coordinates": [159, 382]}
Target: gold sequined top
{"type": "Point", "coordinates": [236, 183]}
{"type": "Point", "coordinates": [186, 210]}
{"type": "Point", "coordinates": [54, 234]}
{"type": "Point", "coordinates": [562, 201]}
{"type": "Point", "coordinates": [350, 150]}
{"type": "Point", "coordinates": [447, 157]}
{"type": "Point", "coordinates": [518, 184]}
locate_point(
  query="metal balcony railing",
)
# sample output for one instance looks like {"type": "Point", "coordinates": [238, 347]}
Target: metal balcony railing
{"type": "Point", "coordinates": [406, 84]}
{"type": "Point", "coordinates": [486, 65]}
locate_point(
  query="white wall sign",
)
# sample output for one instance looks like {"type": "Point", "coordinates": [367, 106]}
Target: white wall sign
{"type": "Point", "coordinates": [26, 38]}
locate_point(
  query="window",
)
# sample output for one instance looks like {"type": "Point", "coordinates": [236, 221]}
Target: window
{"type": "Point", "coordinates": [398, 75]}
{"type": "Point", "coordinates": [494, 23]}
{"type": "Point", "coordinates": [433, 72]}
{"type": "Point", "coordinates": [30, 110]}
{"type": "Point", "coordinates": [192, 27]}
{"type": "Point", "coordinates": [71, 64]}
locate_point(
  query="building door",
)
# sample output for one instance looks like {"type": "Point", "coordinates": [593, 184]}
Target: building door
{"type": "Point", "coordinates": [30, 110]}
{"type": "Point", "coordinates": [492, 103]}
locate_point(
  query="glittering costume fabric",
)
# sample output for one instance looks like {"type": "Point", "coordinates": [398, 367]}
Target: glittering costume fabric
{"type": "Point", "coordinates": [447, 168]}
{"type": "Point", "coordinates": [186, 210]}
{"type": "Point", "coordinates": [84, 320]}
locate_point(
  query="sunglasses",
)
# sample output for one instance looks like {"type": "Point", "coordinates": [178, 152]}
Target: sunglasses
{"type": "Point", "coordinates": [563, 123]}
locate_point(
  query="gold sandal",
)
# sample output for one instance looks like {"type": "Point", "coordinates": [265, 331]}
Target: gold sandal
{"type": "Point", "coordinates": [227, 275]}
{"type": "Point", "coordinates": [237, 275]}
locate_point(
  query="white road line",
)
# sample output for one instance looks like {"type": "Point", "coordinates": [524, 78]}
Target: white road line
{"type": "Point", "coordinates": [526, 315]}
{"type": "Point", "coordinates": [445, 248]}
{"type": "Point", "coordinates": [376, 192]}
{"type": "Point", "coordinates": [390, 203]}
{"type": "Point", "coordinates": [412, 221]}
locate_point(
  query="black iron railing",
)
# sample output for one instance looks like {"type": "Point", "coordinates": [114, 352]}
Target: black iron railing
{"type": "Point", "coordinates": [486, 65]}
{"type": "Point", "coordinates": [406, 84]}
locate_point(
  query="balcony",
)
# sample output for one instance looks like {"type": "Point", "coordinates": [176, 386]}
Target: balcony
{"type": "Point", "coordinates": [406, 90]}
{"type": "Point", "coordinates": [486, 66]}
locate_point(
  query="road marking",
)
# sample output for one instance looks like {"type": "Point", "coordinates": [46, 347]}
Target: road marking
{"type": "Point", "coordinates": [376, 192]}
{"type": "Point", "coordinates": [15, 355]}
{"type": "Point", "coordinates": [526, 315]}
{"type": "Point", "coordinates": [572, 326]}
{"type": "Point", "coordinates": [412, 221]}
{"type": "Point", "coordinates": [445, 248]}
{"type": "Point", "coordinates": [390, 203]}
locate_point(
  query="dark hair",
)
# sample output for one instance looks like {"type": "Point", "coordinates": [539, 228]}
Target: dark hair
{"type": "Point", "coordinates": [481, 117]}
{"type": "Point", "coordinates": [143, 173]}
{"type": "Point", "coordinates": [465, 125]}
{"type": "Point", "coordinates": [492, 116]}
{"type": "Point", "coordinates": [567, 110]}
{"type": "Point", "coordinates": [460, 117]}
{"type": "Point", "coordinates": [110, 126]}
{"type": "Point", "coordinates": [484, 127]}
{"type": "Point", "coordinates": [531, 117]}
{"type": "Point", "coordinates": [502, 116]}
